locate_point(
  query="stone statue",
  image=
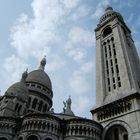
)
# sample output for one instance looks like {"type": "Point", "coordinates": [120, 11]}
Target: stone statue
{"type": "Point", "coordinates": [67, 105]}
{"type": "Point", "coordinates": [68, 102]}
{"type": "Point", "coordinates": [52, 110]}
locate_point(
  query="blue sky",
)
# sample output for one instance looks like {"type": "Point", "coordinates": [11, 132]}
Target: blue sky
{"type": "Point", "coordinates": [63, 30]}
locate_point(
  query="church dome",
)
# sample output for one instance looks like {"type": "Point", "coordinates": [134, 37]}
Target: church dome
{"type": "Point", "coordinates": [109, 14]}
{"type": "Point", "coordinates": [19, 89]}
{"type": "Point", "coordinates": [40, 76]}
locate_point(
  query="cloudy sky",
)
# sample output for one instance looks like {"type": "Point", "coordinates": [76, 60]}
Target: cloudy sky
{"type": "Point", "coordinates": [63, 30]}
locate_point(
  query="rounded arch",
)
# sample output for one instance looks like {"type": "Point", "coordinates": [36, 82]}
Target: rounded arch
{"type": "Point", "coordinates": [107, 31]}
{"type": "Point", "coordinates": [116, 132]}
{"type": "Point", "coordinates": [122, 125]}
{"type": "Point", "coordinates": [32, 137]}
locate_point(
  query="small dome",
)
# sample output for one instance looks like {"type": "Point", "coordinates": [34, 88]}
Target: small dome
{"type": "Point", "coordinates": [109, 14]}
{"type": "Point", "coordinates": [108, 8]}
{"type": "Point", "coordinates": [41, 77]}
{"type": "Point", "coordinates": [19, 89]}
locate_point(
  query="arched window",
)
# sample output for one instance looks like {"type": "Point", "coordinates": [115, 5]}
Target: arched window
{"type": "Point", "coordinates": [16, 107]}
{"type": "Point", "coordinates": [34, 103]}
{"type": "Point", "coordinates": [48, 139]}
{"type": "Point", "coordinates": [45, 108]}
{"type": "Point", "coordinates": [20, 138]}
{"type": "Point", "coordinates": [125, 137]}
{"type": "Point", "coordinates": [19, 108]}
{"type": "Point", "coordinates": [29, 101]}
{"type": "Point", "coordinates": [32, 137]}
{"type": "Point", "coordinates": [116, 132]}
{"type": "Point", "coordinates": [40, 106]}
{"type": "Point", "coordinates": [3, 138]}
{"type": "Point", "coordinates": [107, 31]}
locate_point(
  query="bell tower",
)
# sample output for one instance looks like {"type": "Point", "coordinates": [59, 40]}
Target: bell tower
{"type": "Point", "coordinates": [117, 78]}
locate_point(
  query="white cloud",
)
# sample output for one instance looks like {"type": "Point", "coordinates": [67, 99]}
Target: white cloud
{"type": "Point", "coordinates": [85, 69]}
{"type": "Point", "coordinates": [76, 53]}
{"type": "Point", "coordinates": [82, 103]}
{"type": "Point", "coordinates": [79, 82]}
{"type": "Point", "coordinates": [81, 36]}
{"type": "Point", "coordinates": [56, 63]}
{"type": "Point", "coordinates": [78, 43]}
{"type": "Point", "coordinates": [66, 47]}
{"type": "Point", "coordinates": [100, 9]}
{"type": "Point", "coordinates": [29, 36]}
{"type": "Point", "coordinates": [79, 85]}
{"type": "Point", "coordinates": [70, 3]}
{"type": "Point", "coordinates": [13, 67]}
{"type": "Point", "coordinates": [82, 12]}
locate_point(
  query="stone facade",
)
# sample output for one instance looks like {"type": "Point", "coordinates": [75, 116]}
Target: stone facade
{"type": "Point", "coordinates": [117, 79]}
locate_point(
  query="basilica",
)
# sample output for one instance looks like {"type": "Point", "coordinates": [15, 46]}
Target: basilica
{"type": "Point", "coordinates": [26, 111]}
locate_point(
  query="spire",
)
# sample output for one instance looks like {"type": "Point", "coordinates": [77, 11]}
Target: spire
{"type": "Point", "coordinates": [108, 8]}
{"type": "Point", "coordinates": [24, 76]}
{"type": "Point", "coordinates": [42, 63]}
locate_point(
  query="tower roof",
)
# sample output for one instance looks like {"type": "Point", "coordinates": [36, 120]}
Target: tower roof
{"type": "Point", "coordinates": [109, 14]}
{"type": "Point", "coordinates": [19, 89]}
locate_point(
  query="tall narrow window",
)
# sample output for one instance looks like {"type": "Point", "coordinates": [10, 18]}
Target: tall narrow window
{"type": "Point", "coordinates": [16, 107]}
{"type": "Point", "coordinates": [113, 79]}
{"type": "Point", "coordinates": [45, 108]}
{"type": "Point", "coordinates": [29, 101]}
{"type": "Point", "coordinates": [108, 81]}
{"type": "Point", "coordinates": [125, 137]}
{"type": "Point", "coordinates": [34, 103]}
{"type": "Point", "coordinates": [40, 106]}
{"type": "Point", "coordinates": [117, 69]}
{"type": "Point", "coordinates": [109, 89]}
{"type": "Point", "coordinates": [112, 70]}
{"type": "Point", "coordinates": [119, 84]}
{"type": "Point", "coordinates": [19, 108]}
{"type": "Point", "coordinates": [114, 51]}
{"type": "Point", "coordinates": [107, 64]}
{"type": "Point", "coordinates": [116, 134]}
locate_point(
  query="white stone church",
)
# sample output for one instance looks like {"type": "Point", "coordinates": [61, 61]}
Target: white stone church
{"type": "Point", "coordinates": [26, 111]}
